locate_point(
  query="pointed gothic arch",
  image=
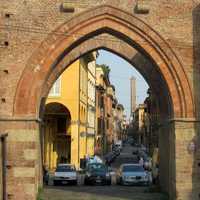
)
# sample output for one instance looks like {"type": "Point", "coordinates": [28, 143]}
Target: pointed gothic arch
{"type": "Point", "coordinates": [70, 36]}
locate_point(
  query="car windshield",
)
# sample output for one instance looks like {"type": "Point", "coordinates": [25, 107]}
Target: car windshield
{"type": "Point", "coordinates": [65, 168]}
{"type": "Point", "coordinates": [133, 168]}
{"type": "Point", "coordinates": [97, 167]}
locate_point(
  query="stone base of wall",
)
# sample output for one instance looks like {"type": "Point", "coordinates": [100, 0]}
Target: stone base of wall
{"type": "Point", "coordinates": [23, 156]}
{"type": "Point", "coordinates": [179, 162]}
{"type": "Point", "coordinates": [187, 160]}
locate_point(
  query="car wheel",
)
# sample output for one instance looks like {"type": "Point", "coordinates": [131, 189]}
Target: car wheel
{"type": "Point", "coordinates": [74, 182]}
{"type": "Point", "coordinates": [86, 182]}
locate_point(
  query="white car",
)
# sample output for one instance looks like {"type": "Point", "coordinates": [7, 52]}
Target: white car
{"type": "Point", "coordinates": [132, 174]}
{"type": "Point", "coordinates": [65, 173]}
{"type": "Point", "coordinates": [118, 144]}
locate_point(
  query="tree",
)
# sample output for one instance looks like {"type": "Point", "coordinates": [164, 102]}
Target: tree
{"type": "Point", "coordinates": [105, 68]}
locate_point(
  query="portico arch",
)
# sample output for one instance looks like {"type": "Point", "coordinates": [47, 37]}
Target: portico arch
{"type": "Point", "coordinates": [56, 135]}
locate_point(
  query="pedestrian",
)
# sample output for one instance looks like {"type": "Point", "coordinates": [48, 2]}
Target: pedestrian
{"type": "Point", "coordinates": [141, 161]}
{"type": "Point", "coordinates": [45, 175]}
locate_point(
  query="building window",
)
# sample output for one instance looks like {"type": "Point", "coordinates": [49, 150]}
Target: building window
{"type": "Point", "coordinates": [99, 126]}
{"type": "Point", "coordinates": [56, 88]}
{"type": "Point", "coordinates": [101, 101]}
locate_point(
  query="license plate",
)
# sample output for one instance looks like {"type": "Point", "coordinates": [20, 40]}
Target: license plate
{"type": "Point", "coordinates": [64, 182]}
{"type": "Point", "coordinates": [98, 181]}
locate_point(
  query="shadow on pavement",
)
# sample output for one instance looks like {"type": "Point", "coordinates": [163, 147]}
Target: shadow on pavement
{"type": "Point", "coordinates": [101, 192]}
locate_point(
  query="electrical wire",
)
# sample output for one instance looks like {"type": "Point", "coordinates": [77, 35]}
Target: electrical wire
{"type": "Point", "coordinates": [47, 32]}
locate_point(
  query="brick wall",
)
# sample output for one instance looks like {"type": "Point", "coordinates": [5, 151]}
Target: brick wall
{"type": "Point", "coordinates": [25, 24]}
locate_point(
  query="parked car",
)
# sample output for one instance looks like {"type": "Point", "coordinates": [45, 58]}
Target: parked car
{"type": "Point", "coordinates": [97, 173]}
{"type": "Point", "coordinates": [109, 158]}
{"type": "Point", "coordinates": [116, 151]}
{"type": "Point", "coordinates": [65, 173]}
{"type": "Point", "coordinates": [135, 151]}
{"type": "Point", "coordinates": [131, 141]}
{"type": "Point", "coordinates": [119, 144]}
{"type": "Point", "coordinates": [137, 145]}
{"type": "Point", "coordinates": [132, 174]}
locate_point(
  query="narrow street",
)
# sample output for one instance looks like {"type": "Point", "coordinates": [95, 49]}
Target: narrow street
{"type": "Point", "coordinates": [114, 192]}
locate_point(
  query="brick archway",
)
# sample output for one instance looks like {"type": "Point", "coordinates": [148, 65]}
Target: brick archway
{"type": "Point", "coordinates": [72, 40]}
{"type": "Point", "coordinates": [102, 19]}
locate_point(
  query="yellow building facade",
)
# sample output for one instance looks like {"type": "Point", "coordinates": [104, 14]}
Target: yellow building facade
{"type": "Point", "coordinates": [66, 117]}
{"type": "Point", "coordinates": [91, 105]}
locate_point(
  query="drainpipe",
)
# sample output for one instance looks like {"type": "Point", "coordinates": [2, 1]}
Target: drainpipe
{"type": "Point", "coordinates": [79, 114]}
{"type": "Point", "coordinates": [87, 110]}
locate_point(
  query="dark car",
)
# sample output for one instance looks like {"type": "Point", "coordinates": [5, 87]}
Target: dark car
{"type": "Point", "coordinates": [116, 151]}
{"type": "Point", "coordinates": [109, 158]}
{"type": "Point", "coordinates": [97, 174]}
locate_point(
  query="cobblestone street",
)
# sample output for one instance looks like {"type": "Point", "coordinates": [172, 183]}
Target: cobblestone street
{"type": "Point", "coordinates": [114, 192]}
{"type": "Point", "coordinates": [99, 193]}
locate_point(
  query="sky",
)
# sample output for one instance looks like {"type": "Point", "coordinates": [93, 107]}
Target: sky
{"type": "Point", "coordinates": [120, 74]}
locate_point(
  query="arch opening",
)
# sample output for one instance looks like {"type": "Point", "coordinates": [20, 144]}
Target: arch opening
{"type": "Point", "coordinates": [146, 67]}
{"type": "Point", "coordinates": [160, 92]}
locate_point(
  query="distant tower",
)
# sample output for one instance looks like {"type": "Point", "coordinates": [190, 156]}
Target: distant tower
{"type": "Point", "coordinates": [133, 94]}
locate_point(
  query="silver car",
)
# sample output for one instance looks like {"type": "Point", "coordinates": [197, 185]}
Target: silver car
{"type": "Point", "coordinates": [132, 174]}
{"type": "Point", "coordinates": [65, 173]}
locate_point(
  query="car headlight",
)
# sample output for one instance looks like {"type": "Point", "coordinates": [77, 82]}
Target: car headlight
{"type": "Point", "coordinates": [125, 177]}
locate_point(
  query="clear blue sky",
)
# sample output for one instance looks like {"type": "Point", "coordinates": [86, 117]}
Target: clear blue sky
{"type": "Point", "coordinates": [121, 72]}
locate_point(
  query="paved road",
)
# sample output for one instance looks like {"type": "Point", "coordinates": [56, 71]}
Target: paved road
{"type": "Point", "coordinates": [114, 192]}
{"type": "Point", "coordinates": [126, 156]}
